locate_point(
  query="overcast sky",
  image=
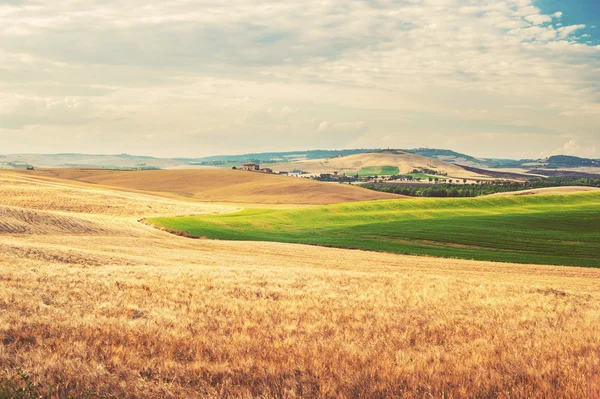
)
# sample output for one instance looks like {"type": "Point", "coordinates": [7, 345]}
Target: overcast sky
{"type": "Point", "coordinates": [501, 78]}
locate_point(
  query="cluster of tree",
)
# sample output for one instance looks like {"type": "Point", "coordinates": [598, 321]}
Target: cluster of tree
{"type": "Point", "coordinates": [338, 178]}
{"type": "Point", "coordinates": [559, 181]}
{"type": "Point", "coordinates": [428, 171]}
{"type": "Point", "coordinates": [445, 190]}
{"type": "Point", "coordinates": [476, 190]}
{"type": "Point", "coordinates": [440, 179]}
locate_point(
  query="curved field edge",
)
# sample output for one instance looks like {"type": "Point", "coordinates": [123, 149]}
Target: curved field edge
{"type": "Point", "coordinates": [550, 229]}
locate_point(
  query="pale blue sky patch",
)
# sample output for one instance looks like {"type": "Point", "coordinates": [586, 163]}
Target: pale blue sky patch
{"type": "Point", "coordinates": [576, 12]}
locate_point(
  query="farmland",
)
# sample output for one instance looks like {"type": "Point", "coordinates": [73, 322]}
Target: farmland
{"type": "Point", "coordinates": [553, 229]}
{"type": "Point", "coordinates": [213, 185]}
{"type": "Point", "coordinates": [379, 171]}
{"type": "Point", "coordinates": [94, 303]}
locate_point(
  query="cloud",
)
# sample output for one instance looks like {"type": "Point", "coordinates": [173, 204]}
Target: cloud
{"type": "Point", "coordinates": [18, 113]}
{"type": "Point", "coordinates": [336, 135]}
{"type": "Point", "coordinates": [538, 19]}
{"type": "Point", "coordinates": [567, 30]}
{"type": "Point", "coordinates": [573, 147]}
{"type": "Point", "coordinates": [264, 72]}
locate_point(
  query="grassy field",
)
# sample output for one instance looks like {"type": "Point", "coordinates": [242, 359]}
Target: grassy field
{"type": "Point", "coordinates": [124, 310]}
{"type": "Point", "coordinates": [379, 171]}
{"type": "Point", "coordinates": [553, 229]}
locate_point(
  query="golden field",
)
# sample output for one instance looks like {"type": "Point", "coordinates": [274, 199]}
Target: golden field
{"type": "Point", "coordinates": [221, 185]}
{"type": "Point", "coordinates": [94, 303]}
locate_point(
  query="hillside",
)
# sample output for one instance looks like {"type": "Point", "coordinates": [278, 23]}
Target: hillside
{"type": "Point", "coordinates": [567, 161]}
{"type": "Point", "coordinates": [127, 161]}
{"type": "Point", "coordinates": [404, 161]}
{"type": "Point", "coordinates": [117, 161]}
{"type": "Point", "coordinates": [269, 157]}
{"type": "Point", "coordinates": [127, 311]}
{"type": "Point", "coordinates": [449, 156]}
{"type": "Point", "coordinates": [523, 229]}
{"type": "Point", "coordinates": [221, 185]}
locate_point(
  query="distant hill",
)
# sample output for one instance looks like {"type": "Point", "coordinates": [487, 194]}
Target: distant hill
{"type": "Point", "coordinates": [568, 161]}
{"type": "Point", "coordinates": [128, 161]}
{"type": "Point", "coordinates": [449, 156]}
{"type": "Point", "coordinates": [272, 157]}
{"type": "Point", "coordinates": [553, 162]}
{"type": "Point", "coordinates": [71, 160]}
{"type": "Point", "coordinates": [405, 162]}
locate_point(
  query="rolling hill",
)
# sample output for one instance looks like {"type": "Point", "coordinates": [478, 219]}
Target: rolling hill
{"type": "Point", "coordinates": [525, 229]}
{"type": "Point", "coordinates": [73, 160]}
{"type": "Point", "coordinates": [221, 185]}
{"type": "Point", "coordinates": [404, 161]}
{"type": "Point", "coordinates": [95, 304]}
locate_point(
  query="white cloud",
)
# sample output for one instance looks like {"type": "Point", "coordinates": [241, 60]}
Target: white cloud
{"type": "Point", "coordinates": [250, 72]}
{"type": "Point", "coordinates": [567, 30]}
{"type": "Point", "coordinates": [538, 19]}
{"type": "Point", "coordinates": [573, 147]}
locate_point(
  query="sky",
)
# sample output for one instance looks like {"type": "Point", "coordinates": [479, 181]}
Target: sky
{"type": "Point", "coordinates": [491, 78]}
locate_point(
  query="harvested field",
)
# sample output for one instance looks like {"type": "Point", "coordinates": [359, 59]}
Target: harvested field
{"type": "Point", "coordinates": [22, 190]}
{"type": "Point", "coordinates": [149, 314]}
{"type": "Point", "coordinates": [223, 186]}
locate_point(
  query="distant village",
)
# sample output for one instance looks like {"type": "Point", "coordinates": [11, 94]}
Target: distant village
{"type": "Point", "coordinates": [254, 167]}
{"type": "Point", "coordinates": [427, 176]}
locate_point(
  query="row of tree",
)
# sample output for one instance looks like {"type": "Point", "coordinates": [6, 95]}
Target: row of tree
{"type": "Point", "coordinates": [476, 190]}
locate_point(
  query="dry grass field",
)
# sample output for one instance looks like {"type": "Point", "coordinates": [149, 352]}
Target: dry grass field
{"type": "Point", "coordinates": [129, 311]}
{"type": "Point", "coordinates": [221, 185]}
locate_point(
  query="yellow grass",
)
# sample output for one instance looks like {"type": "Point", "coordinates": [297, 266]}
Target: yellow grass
{"type": "Point", "coordinates": [220, 185]}
{"type": "Point", "coordinates": [135, 312]}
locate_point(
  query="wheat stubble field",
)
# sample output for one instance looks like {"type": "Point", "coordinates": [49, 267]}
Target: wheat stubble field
{"type": "Point", "coordinates": [95, 304]}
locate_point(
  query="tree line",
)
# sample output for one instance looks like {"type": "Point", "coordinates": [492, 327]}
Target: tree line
{"type": "Point", "coordinates": [476, 190]}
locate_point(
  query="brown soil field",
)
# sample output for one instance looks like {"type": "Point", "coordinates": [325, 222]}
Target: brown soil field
{"type": "Point", "coordinates": [131, 312]}
{"type": "Point", "coordinates": [550, 190]}
{"type": "Point", "coordinates": [404, 161]}
{"type": "Point", "coordinates": [220, 185]}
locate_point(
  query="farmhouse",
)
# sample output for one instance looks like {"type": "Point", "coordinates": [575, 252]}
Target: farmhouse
{"type": "Point", "coordinates": [251, 166]}
{"type": "Point", "coordinates": [266, 170]}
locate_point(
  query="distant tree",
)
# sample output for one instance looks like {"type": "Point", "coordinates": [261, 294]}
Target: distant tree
{"type": "Point", "coordinates": [234, 168]}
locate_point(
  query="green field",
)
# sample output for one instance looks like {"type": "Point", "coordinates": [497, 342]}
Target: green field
{"type": "Point", "coordinates": [543, 229]}
{"type": "Point", "coordinates": [378, 171]}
